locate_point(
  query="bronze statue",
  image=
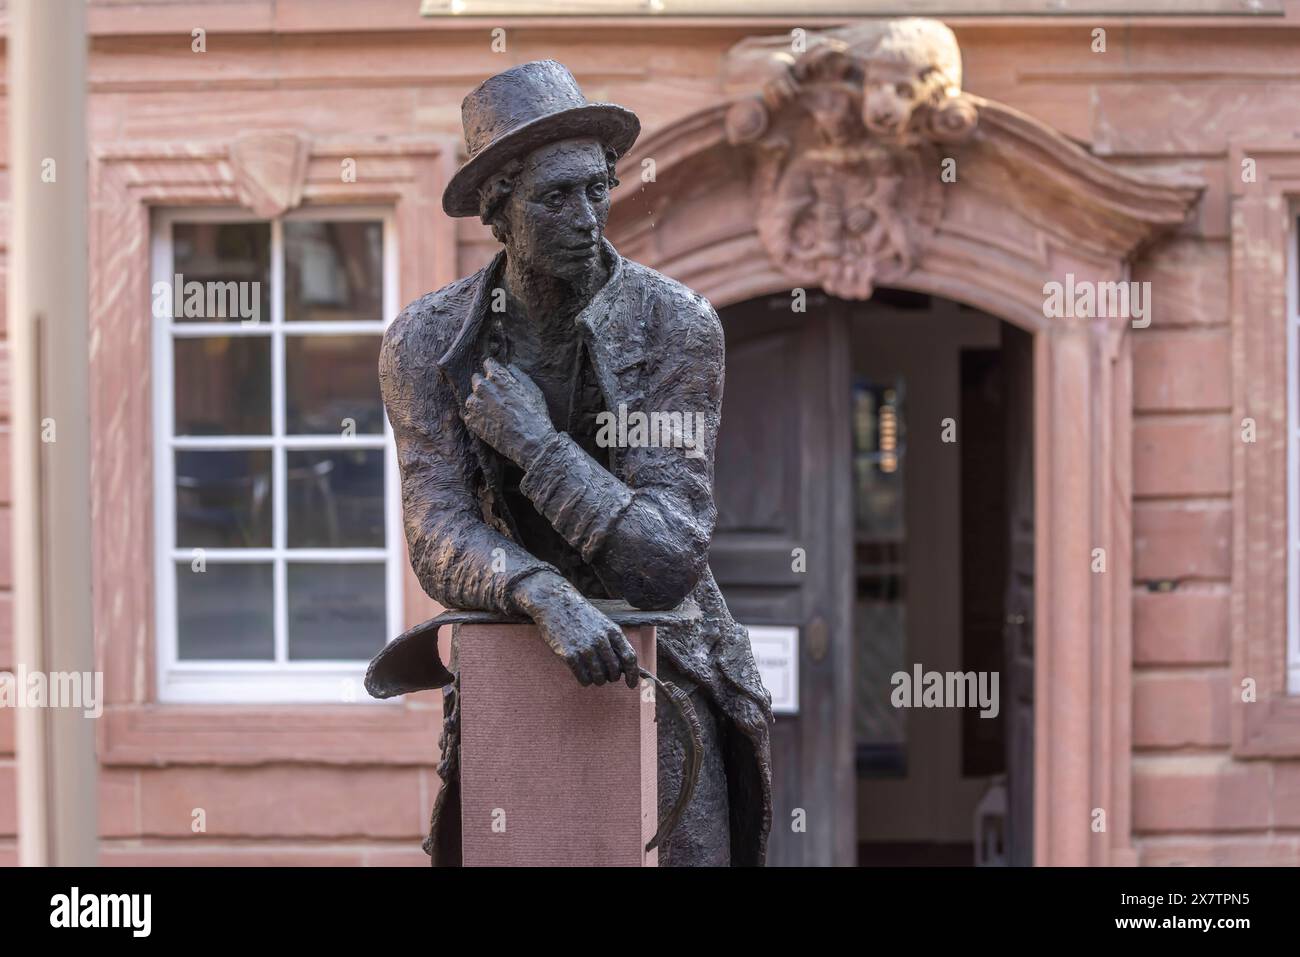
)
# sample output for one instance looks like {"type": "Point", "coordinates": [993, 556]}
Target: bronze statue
{"type": "Point", "coordinates": [519, 499]}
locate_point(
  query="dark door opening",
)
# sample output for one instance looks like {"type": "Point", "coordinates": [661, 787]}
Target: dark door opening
{"type": "Point", "coordinates": [944, 524]}
{"type": "Point", "coordinates": [889, 445]}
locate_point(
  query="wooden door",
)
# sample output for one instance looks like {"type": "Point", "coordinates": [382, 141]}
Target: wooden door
{"type": "Point", "coordinates": [1018, 687]}
{"type": "Point", "coordinates": [783, 485]}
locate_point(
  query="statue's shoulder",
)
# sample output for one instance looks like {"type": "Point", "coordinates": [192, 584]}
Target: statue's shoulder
{"type": "Point", "coordinates": [422, 331]}
{"type": "Point", "coordinates": [675, 308]}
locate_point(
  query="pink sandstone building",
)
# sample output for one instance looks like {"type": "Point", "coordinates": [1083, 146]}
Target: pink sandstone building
{"type": "Point", "coordinates": [934, 457]}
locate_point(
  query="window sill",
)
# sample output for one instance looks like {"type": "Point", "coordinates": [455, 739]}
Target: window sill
{"type": "Point", "coordinates": [252, 685]}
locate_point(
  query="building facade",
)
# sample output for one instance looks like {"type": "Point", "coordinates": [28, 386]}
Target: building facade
{"type": "Point", "coordinates": [1012, 387]}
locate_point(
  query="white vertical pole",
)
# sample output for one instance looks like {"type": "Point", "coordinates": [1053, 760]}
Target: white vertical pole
{"type": "Point", "coordinates": [49, 357]}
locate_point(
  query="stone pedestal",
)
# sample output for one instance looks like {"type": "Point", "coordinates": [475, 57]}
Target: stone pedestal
{"type": "Point", "coordinates": [553, 773]}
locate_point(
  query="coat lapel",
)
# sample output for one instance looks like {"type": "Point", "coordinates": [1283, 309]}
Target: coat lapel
{"type": "Point", "coordinates": [613, 325]}
{"type": "Point", "coordinates": [461, 360]}
{"type": "Point", "coordinates": [457, 367]}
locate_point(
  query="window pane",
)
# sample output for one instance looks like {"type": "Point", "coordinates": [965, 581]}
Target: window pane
{"type": "Point", "coordinates": [333, 271]}
{"type": "Point", "coordinates": [225, 611]}
{"type": "Point", "coordinates": [336, 611]}
{"type": "Point", "coordinates": [223, 385]}
{"type": "Point", "coordinates": [336, 498]}
{"type": "Point", "coordinates": [216, 255]}
{"type": "Point", "coordinates": [329, 380]}
{"type": "Point", "coordinates": [223, 499]}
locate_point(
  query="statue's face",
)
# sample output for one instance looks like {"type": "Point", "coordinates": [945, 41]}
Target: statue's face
{"type": "Point", "coordinates": [892, 92]}
{"type": "Point", "coordinates": [555, 216]}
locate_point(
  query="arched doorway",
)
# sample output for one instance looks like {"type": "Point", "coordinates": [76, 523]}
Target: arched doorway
{"type": "Point", "coordinates": [974, 203]}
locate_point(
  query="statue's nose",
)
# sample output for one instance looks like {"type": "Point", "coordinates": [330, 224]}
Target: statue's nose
{"type": "Point", "coordinates": [584, 219]}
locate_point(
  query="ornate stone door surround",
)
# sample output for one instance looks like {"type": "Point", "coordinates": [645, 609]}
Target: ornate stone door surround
{"type": "Point", "coordinates": [852, 158]}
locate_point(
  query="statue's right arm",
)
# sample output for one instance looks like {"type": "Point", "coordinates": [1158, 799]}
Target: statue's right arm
{"type": "Point", "coordinates": [460, 560]}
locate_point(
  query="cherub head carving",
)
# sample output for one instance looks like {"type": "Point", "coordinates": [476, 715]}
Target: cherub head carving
{"type": "Point", "coordinates": [892, 79]}
{"type": "Point", "coordinates": [914, 64]}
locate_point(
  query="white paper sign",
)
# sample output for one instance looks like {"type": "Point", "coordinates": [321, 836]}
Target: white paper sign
{"type": "Point", "coordinates": [776, 649]}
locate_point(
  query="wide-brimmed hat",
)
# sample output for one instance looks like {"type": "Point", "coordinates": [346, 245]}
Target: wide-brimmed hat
{"type": "Point", "coordinates": [513, 113]}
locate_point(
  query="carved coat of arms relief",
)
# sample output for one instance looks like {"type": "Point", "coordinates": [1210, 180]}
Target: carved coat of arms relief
{"type": "Point", "coordinates": [848, 138]}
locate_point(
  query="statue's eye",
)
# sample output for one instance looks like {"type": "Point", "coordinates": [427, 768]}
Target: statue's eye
{"type": "Point", "coordinates": [553, 199]}
{"type": "Point", "coordinates": [597, 190]}
{"type": "Point", "coordinates": [904, 90]}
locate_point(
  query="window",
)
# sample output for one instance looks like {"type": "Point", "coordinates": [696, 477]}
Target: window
{"type": "Point", "coordinates": [277, 521]}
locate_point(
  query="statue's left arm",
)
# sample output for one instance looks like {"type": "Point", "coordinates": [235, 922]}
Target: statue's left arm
{"type": "Point", "coordinates": [646, 531]}
{"type": "Point", "coordinates": [647, 535]}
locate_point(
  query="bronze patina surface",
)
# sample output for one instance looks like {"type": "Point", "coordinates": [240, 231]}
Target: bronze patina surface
{"type": "Point", "coordinates": [518, 496]}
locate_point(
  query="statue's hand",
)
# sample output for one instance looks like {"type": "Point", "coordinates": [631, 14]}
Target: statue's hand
{"type": "Point", "coordinates": [508, 412]}
{"type": "Point", "coordinates": [594, 648]}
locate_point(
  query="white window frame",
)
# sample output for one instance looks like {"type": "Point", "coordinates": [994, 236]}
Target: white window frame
{"type": "Point", "coordinates": [280, 681]}
{"type": "Point", "coordinates": [1293, 454]}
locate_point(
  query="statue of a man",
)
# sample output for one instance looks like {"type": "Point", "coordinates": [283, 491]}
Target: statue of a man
{"type": "Point", "coordinates": [514, 502]}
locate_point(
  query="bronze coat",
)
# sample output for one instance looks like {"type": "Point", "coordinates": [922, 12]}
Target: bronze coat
{"type": "Point", "coordinates": [654, 345]}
